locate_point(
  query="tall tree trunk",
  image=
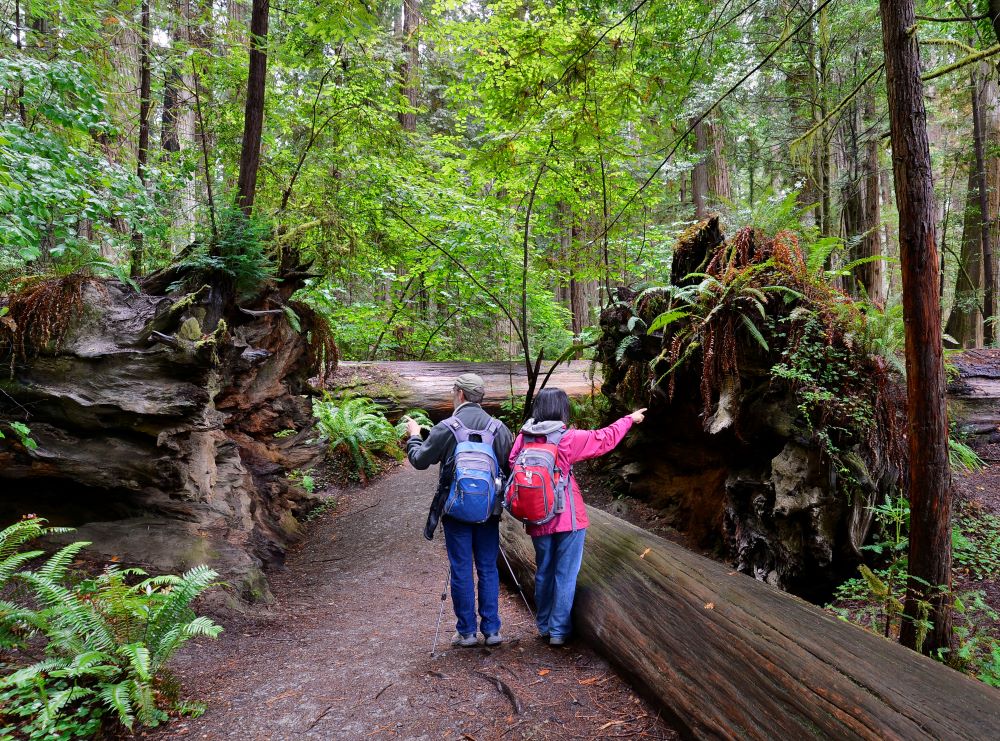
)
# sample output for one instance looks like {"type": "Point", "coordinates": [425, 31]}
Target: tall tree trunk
{"type": "Point", "coordinates": [719, 183]}
{"type": "Point", "coordinates": [965, 321]}
{"type": "Point", "coordinates": [411, 61]}
{"type": "Point", "coordinates": [871, 275]}
{"type": "Point", "coordinates": [710, 178]}
{"type": "Point", "coordinates": [19, 44]}
{"type": "Point", "coordinates": [253, 118]}
{"type": "Point", "coordinates": [929, 474]}
{"type": "Point", "coordinates": [142, 151]}
{"type": "Point", "coordinates": [978, 137]}
{"type": "Point", "coordinates": [852, 205]}
{"type": "Point", "coordinates": [699, 176]}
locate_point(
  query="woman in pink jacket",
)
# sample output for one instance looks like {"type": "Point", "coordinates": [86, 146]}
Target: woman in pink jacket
{"type": "Point", "coordinates": [559, 542]}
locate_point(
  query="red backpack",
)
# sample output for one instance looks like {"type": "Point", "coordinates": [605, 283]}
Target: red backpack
{"type": "Point", "coordinates": [536, 489]}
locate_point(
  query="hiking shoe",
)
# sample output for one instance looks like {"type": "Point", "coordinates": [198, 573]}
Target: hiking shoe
{"type": "Point", "coordinates": [464, 640]}
{"type": "Point", "coordinates": [494, 639]}
{"type": "Point", "coordinates": [557, 641]}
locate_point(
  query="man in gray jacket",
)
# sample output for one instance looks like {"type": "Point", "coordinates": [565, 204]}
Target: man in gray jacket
{"type": "Point", "coordinates": [466, 543]}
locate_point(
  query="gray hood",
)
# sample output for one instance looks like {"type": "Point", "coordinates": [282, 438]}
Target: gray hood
{"type": "Point", "coordinates": [531, 427]}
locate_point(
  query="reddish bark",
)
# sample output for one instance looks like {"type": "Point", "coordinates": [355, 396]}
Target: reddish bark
{"type": "Point", "coordinates": [930, 476]}
{"type": "Point", "coordinates": [253, 120]}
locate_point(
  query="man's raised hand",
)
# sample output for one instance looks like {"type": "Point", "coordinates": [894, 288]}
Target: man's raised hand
{"type": "Point", "coordinates": [638, 415]}
{"type": "Point", "coordinates": [412, 427]}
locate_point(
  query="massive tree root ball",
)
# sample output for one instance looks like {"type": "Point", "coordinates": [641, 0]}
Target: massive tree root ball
{"type": "Point", "coordinates": [155, 416]}
{"type": "Point", "coordinates": [775, 420]}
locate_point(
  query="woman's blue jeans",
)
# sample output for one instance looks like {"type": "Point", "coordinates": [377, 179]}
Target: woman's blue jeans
{"type": "Point", "coordinates": [557, 557]}
{"type": "Point", "coordinates": [469, 544]}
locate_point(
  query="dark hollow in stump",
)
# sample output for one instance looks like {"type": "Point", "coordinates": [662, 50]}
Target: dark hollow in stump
{"type": "Point", "coordinates": [403, 385]}
{"type": "Point", "coordinates": [729, 656]}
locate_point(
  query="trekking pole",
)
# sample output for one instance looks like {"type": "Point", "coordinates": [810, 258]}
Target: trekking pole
{"type": "Point", "coordinates": [444, 596]}
{"type": "Point", "coordinates": [517, 583]}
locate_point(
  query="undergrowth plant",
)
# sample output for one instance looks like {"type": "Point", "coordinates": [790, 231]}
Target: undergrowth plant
{"type": "Point", "coordinates": [99, 645]}
{"type": "Point", "coordinates": [23, 434]}
{"type": "Point", "coordinates": [358, 430]}
{"type": "Point", "coordinates": [874, 599]}
{"type": "Point", "coordinates": [237, 249]}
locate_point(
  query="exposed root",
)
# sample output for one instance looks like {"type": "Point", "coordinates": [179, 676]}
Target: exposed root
{"type": "Point", "coordinates": [39, 312]}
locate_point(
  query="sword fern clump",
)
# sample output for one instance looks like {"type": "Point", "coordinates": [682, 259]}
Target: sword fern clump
{"type": "Point", "coordinates": [358, 430]}
{"type": "Point", "coordinates": [99, 646]}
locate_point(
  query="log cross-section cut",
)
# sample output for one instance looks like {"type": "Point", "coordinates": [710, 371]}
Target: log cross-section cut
{"type": "Point", "coordinates": [731, 657]}
{"type": "Point", "coordinates": [974, 396]}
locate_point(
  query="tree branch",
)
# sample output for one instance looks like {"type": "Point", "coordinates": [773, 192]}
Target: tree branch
{"type": "Point", "coordinates": [964, 61]}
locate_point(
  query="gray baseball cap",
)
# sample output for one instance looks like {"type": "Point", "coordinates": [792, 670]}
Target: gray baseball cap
{"type": "Point", "coordinates": [471, 384]}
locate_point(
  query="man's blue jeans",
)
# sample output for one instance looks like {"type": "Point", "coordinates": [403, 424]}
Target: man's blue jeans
{"type": "Point", "coordinates": [558, 557]}
{"type": "Point", "coordinates": [469, 544]}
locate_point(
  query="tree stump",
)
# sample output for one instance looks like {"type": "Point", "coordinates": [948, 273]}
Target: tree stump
{"type": "Point", "coordinates": [156, 426]}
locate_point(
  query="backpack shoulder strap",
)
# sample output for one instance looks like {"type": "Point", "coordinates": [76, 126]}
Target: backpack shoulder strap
{"type": "Point", "coordinates": [457, 428]}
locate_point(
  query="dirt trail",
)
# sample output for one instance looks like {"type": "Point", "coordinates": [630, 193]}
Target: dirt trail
{"type": "Point", "coordinates": [345, 652]}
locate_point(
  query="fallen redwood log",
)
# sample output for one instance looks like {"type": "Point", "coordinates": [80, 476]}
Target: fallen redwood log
{"type": "Point", "coordinates": [403, 385]}
{"type": "Point", "coordinates": [974, 397]}
{"type": "Point", "coordinates": [732, 657]}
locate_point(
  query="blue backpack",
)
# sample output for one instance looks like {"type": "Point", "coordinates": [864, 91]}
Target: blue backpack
{"type": "Point", "coordinates": [476, 482]}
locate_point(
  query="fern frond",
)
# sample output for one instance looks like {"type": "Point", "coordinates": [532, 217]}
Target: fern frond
{"type": "Point", "coordinates": [73, 624]}
{"type": "Point", "coordinates": [118, 698]}
{"type": "Point", "coordinates": [202, 626]}
{"type": "Point", "coordinates": [55, 567]}
{"type": "Point", "coordinates": [55, 702]}
{"type": "Point", "coordinates": [754, 332]}
{"type": "Point", "coordinates": [30, 673]}
{"type": "Point", "coordinates": [13, 562]}
{"type": "Point", "coordinates": [138, 657]}
{"type": "Point", "coordinates": [24, 531]}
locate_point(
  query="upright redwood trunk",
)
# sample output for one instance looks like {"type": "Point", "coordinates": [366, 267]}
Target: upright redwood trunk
{"type": "Point", "coordinates": [699, 176]}
{"type": "Point", "coordinates": [253, 119]}
{"type": "Point", "coordinates": [408, 69]}
{"type": "Point", "coordinates": [978, 138]}
{"type": "Point", "coordinates": [871, 274]}
{"type": "Point", "coordinates": [21, 112]}
{"type": "Point", "coordinates": [965, 323]}
{"type": "Point", "coordinates": [142, 152]}
{"type": "Point", "coordinates": [930, 476]}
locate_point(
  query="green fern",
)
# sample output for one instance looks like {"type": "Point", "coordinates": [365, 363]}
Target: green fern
{"type": "Point", "coordinates": [106, 640]}
{"type": "Point", "coordinates": [358, 428]}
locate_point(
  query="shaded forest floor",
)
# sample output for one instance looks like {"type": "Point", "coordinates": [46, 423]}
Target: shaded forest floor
{"type": "Point", "coordinates": [345, 651]}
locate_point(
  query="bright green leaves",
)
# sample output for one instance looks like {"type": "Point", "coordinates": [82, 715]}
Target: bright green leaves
{"type": "Point", "coordinates": [60, 196]}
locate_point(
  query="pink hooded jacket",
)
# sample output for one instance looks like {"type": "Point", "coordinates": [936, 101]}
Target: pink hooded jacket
{"type": "Point", "coordinates": [576, 445]}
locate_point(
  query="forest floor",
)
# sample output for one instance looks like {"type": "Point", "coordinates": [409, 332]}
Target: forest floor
{"type": "Point", "coordinates": [345, 651]}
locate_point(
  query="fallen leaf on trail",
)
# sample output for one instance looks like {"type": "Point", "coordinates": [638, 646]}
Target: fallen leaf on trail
{"type": "Point", "coordinates": [116, 559]}
{"type": "Point", "coordinates": [709, 605]}
{"type": "Point", "coordinates": [589, 680]}
{"type": "Point", "coordinates": [645, 552]}
{"type": "Point", "coordinates": [542, 672]}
